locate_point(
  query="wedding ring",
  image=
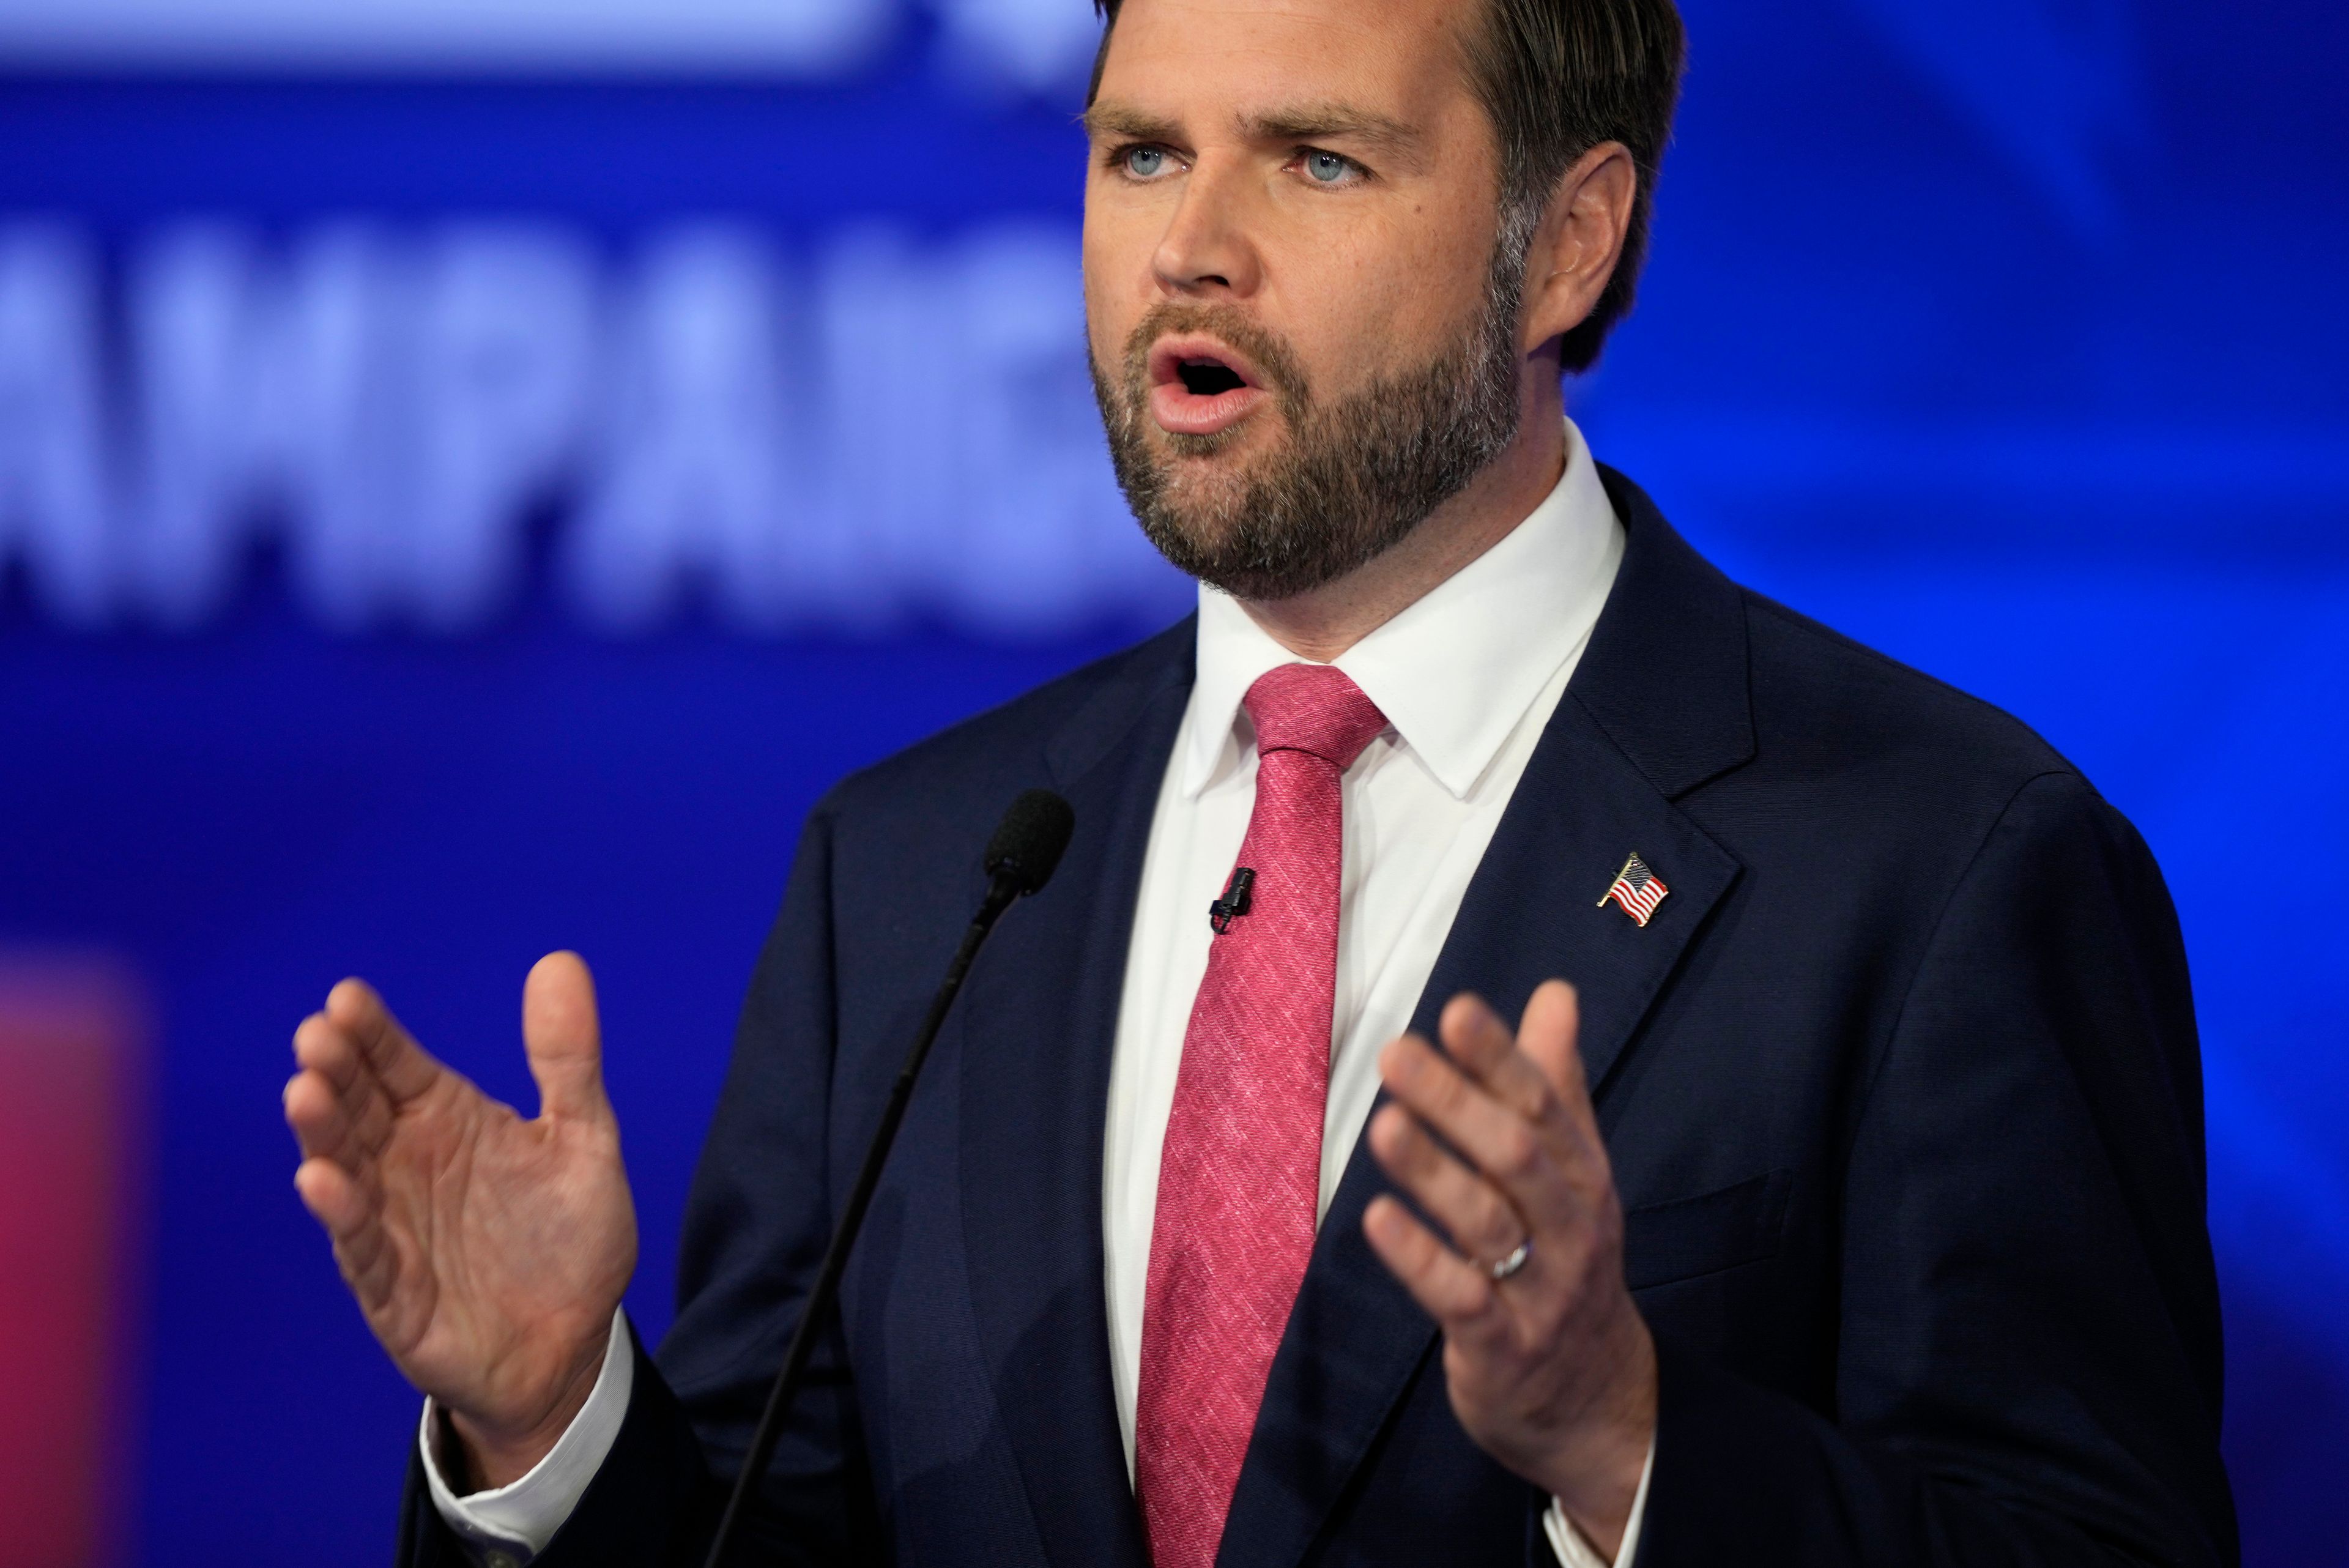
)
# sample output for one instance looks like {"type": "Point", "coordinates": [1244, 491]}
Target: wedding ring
{"type": "Point", "coordinates": [1513, 1262]}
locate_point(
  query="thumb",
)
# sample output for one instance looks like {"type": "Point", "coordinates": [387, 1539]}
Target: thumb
{"type": "Point", "coordinates": [1550, 1033]}
{"type": "Point", "coordinates": [560, 1035]}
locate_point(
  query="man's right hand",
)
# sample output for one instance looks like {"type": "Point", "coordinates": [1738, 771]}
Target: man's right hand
{"type": "Point", "coordinates": [487, 1252]}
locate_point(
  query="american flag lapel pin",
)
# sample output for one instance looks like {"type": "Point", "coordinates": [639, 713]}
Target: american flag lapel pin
{"type": "Point", "coordinates": [1638, 890]}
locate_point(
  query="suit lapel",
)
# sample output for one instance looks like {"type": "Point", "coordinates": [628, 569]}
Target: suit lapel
{"type": "Point", "coordinates": [1039, 1023]}
{"type": "Point", "coordinates": [1356, 1339]}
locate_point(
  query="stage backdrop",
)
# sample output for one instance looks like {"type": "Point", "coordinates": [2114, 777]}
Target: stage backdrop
{"type": "Point", "coordinates": [470, 475]}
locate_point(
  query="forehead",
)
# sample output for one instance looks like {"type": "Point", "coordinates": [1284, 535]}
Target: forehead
{"type": "Point", "coordinates": [1399, 59]}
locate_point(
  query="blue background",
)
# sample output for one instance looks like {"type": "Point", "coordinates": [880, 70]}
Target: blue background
{"type": "Point", "coordinates": [2004, 336]}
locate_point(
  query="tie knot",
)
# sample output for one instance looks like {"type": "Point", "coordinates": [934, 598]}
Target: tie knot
{"type": "Point", "coordinates": [1312, 708]}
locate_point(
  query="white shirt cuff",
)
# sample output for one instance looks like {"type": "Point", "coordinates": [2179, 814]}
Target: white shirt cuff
{"type": "Point", "coordinates": [1573, 1552]}
{"type": "Point", "coordinates": [517, 1521]}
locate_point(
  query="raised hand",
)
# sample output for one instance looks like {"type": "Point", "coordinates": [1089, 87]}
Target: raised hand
{"type": "Point", "coordinates": [487, 1253]}
{"type": "Point", "coordinates": [1549, 1365]}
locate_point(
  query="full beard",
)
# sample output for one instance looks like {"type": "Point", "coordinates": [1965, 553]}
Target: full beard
{"type": "Point", "coordinates": [1355, 475]}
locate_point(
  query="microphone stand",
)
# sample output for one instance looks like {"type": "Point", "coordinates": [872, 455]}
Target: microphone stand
{"type": "Point", "coordinates": [1015, 869]}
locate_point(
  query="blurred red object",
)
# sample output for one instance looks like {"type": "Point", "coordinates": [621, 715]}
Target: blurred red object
{"type": "Point", "coordinates": [72, 1041]}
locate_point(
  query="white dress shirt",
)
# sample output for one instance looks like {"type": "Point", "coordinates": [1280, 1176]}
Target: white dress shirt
{"type": "Point", "coordinates": [1467, 677]}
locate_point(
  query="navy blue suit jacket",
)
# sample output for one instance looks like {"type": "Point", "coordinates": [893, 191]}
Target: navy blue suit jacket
{"type": "Point", "coordinates": [1900, 1086]}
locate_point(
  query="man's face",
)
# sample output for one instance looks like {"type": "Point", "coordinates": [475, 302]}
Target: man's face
{"type": "Point", "coordinates": [1303, 331]}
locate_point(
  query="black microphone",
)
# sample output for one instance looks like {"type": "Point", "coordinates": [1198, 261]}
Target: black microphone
{"type": "Point", "coordinates": [1021, 858]}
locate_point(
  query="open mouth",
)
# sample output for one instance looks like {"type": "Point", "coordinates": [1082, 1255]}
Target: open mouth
{"type": "Point", "coordinates": [1206, 377]}
{"type": "Point", "coordinates": [1199, 386]}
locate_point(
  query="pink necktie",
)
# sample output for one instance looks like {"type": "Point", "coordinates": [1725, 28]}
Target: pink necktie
{"type": "Point", "coordinates": [1240, 1171]}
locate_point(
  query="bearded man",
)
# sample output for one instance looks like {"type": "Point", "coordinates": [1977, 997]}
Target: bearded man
{"type": "Point", "coordinates": [1845, 1207]}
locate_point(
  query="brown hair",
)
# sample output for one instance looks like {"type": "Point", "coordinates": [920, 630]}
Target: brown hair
{"type": "Point", "coordinates": [1558, 78]}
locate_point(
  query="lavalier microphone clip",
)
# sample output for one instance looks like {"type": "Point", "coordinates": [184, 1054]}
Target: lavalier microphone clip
{"type": "Point", "coordinates": [1235, 901]}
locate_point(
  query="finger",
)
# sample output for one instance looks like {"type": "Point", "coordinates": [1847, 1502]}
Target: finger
{"type": "Point", "coordinates": [369, 1265]}
{"type": "Point", "coordinates": [1456, 1295]}
{"type": "Point", "coordinates": [1549, 1037]}
{"type": "Point", "coordinates": [1481, 1224]}
{"type": "Point", "coordinates": [391, 1053]}
{"type": "Point", "coordinates": [354, 1223]}
{"type": "Point", "coordinates": [1503, 1145]}
{"type": "Point", "coordinates": [1538, 1071]}
{"type": "Point", "coordinates": [1478, 1041]}
{"type": "Point", "coordinates": [343, 1109]}
{"type": "Point", "coordinates": [335, 1199]}
{"type": "Point", "coordinates": [565, 1043]}
{"type": "Point", "coordinates": [319, 1043]}
{"type": "Point", "coordinates": [321, 1121]}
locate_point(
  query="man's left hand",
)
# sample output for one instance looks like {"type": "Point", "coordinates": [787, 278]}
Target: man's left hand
{"type": "Point", "coordinates": [1551, 1369]}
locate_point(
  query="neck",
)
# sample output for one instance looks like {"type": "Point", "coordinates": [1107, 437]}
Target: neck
{"type": "Point", "coordinates": [1324, 623]}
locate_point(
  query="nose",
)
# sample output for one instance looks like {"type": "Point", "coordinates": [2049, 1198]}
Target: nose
{"type": "Point", "coordinates": [1207, 249]}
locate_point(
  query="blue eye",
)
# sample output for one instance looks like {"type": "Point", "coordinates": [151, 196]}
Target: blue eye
{"type": "Point", "coordinates": [1145, 163]}
{"type": "Point", "coordinates": [1326, 168]}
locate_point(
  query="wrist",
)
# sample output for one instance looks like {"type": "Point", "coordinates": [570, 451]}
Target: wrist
{"type": "Point", "coordinates": [497, 1454]}
{"type": "Point", "coordinates": [1595, 1471]}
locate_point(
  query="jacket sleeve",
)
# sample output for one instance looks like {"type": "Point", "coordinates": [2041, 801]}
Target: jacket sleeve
{"type": "Point", "coordinates": [757, 1222]}
{"type": "Point", "coordinates": [2028, 1356]}
{"type": "Point", "coordinates": [653, 1500]}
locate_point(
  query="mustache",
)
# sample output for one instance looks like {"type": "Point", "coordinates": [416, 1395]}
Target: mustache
{"type": "Point", "coordinates": [1270, 354]}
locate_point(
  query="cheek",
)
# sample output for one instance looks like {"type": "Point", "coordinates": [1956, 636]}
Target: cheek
{"type": "Point", "coordinates": [1355, 309]}
{"type": "Point", "coordinates": [1112, 306]}
{"type": "Point", "coordinates": [1348, 337]}
{"type": "Point", "coordinates": [1104, 332]}
{"type": "Point", "coordinates": [1438, 277]}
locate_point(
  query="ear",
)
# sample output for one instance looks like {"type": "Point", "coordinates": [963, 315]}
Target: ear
{"type": "Point", "coordinates": [1579, 243]}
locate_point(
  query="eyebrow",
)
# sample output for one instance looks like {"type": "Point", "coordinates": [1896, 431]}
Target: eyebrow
{"type": "Point", "coordinates": [1334, 121]}
{"type": "Point", "coordinates": [1108, 119]}
{"type": "Point", "coordinates": [1305, 123]}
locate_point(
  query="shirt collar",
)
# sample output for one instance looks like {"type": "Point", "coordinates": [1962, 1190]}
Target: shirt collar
{"type": "Point", "coordinates": [1492, 632]}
